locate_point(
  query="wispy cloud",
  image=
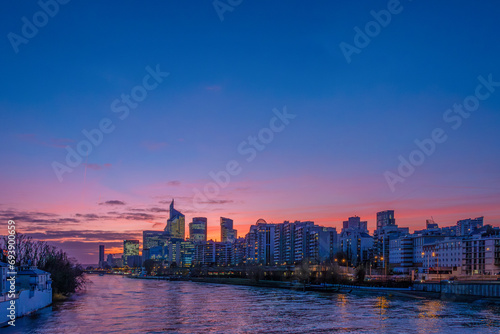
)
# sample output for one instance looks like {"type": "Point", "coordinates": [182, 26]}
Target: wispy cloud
{"type": "Point", "coordinates": [154, 146]}
{"type": "Point", "coordinates": [174, 183]}
{"type": "Point", "coordinates": [219, 201]}
{"type": "Point", "coordinates": [36, 218]}
{"type": "Point", "coordinates": [112, 202]}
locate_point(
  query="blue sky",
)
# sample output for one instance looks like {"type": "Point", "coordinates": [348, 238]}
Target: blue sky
{"type": "Point", "coordinates": [353, 120]}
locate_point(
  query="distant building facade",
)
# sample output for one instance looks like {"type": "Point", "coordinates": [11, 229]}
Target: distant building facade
{"type": "Point", "coordinates": [176, 224]}
{"type": "Point", "coordinates": [198, 229]}
{"type": "Point", "coordinates": [101, 256]}
{"type": "Point", "coordinates": [227, 233]}
{"type": "Point", "coordinates": [355, 241]}
{"type": "Point", "coordinates": [130, 248]}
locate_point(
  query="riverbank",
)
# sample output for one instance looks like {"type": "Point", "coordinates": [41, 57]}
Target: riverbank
{"type": "Point", "coordinates": [328, 288]}
{"type": "Point", "coordinates": [431, 290]}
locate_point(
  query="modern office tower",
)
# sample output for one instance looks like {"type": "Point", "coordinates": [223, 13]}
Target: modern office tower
{"type": "Point", "coordinates": [223, 253]}
{"type": "Point", "coordinates": [227, 233]}
{"type": "Point", "coordinates": [232, 235]}
{"type": "Point", "coordinates": [153, 243]}
{"type": "Point", "coordinates": [176, 224]}
{"type": "Point", "coordinates": [205, 253]}
{"type": "Point", "coordinates": [385, 218]}
{"type": "Point", "coordinates": [152, 239]}
{"type": "Point", "coordinates": [480, 255]}
{"type": "Point", "coordinates": [355, 241]}
{"type": "Point", "coordinates": [324, 245]}
{"type": "Point", "coordinates": [296, 241]}
{"type": "Point", "coordinates": [386, 231]}
{"type": "Point", "coordinates": [115, 260]}
{"type": "Point", "coordinates": [198, 229]}
{"type": "Point", "coordinates": [109, 260]}
{"type": "Point", "coordinates": [239, 249]}
{"type": "Point", "coordinates": [304, 233]}
{"type": "Point", "coordinates": [468, 226]}
{"type": "Point", "coordinates": [130, 248]}
{"type": "Point", "coordinates": [401, 252]}
{"type": "Point", "coordinates": [179, 252]}
{"type": "Point", "coordinates": [101, 256]}
{"type": "Point", "coordinates": [214, 253]}
{"type": "Point", "coordinates": [260, 243]}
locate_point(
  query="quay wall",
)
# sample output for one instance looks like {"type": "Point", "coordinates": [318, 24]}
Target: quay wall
{"type": "Point", "coordinates": [483, 289]}
{"type": "Point", "coordinates": [26, 303]}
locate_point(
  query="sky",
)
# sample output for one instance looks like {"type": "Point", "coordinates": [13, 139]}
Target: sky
{"type": "Point", "coordinates": [303, 111]}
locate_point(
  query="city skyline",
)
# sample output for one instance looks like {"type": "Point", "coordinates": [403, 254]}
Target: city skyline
{"type": "Point", "coordinates": [386, 227]}
{"type": "Point", "coordinates": [303, 115]}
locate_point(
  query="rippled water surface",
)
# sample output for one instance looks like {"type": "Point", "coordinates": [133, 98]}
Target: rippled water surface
{"type": "Point", "coordinates": [114, 304]}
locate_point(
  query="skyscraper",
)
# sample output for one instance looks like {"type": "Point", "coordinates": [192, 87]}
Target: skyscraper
{"type": "Point", "coordinates": [152, 239]}
{"type": "Point", "coordinates": [101, 256]}
{"type": "Point", "coordinates": [198, 229]}
{"type": "Point", "coordinates": [355, 241]}
{"type": "Point", "coordinates": [227, 233]}
{"type": "Point", "coordinates": [130, 248]}
{"type": "Point", "coordinates": [176, 225]}
{"type": "Point", "coordinates": [386, 231]}
{"type": "Point", "coordinates": [260, 243]}
{"type": "Point", "coordinates": [385, 218]}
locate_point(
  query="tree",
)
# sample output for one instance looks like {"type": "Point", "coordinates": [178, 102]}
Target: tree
{"type": "Point", "coordinates": [342, 258]}
{"type": "Point", "coordinates": [331, 274]}
{"type": "Point", "coordinates": [255, 273]}
{"type": "Point", "coordinates": [303, 272]}
{"type": "Point", "coordinates": [360, 274]}
{"type": "Point", "coordinates": [67, 275]}
{"type": "Point", "coordinates": [149, 266]}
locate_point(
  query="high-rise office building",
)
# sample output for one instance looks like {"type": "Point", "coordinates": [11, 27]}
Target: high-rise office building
{"type": "Point", "coordinates": [152, 239]}
{"type": "Point", "coordinates": [467, 226]}
{"type": "Point", "coordinates": [260, 243]}
{"type": "Point", "coordinates": [130, 248]}
{"type": "Point", "coordinates": [176, 224]}
{"type": "Point", "coordinates": [355, 241]}
{"type": "Point", "coordinates": [198, 229]}
{"type": "Point", "coordinates": [386, 231]}
{"type": "Point", "coordinates": [227, 233]}
{"type": "Point", "coordinates": [385, 218]}
{"type": "Point", "coordinates": [101, 256]}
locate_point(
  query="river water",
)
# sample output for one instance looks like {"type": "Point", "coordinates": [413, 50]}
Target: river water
{"type": "Point", "coordinates": [115, 304]}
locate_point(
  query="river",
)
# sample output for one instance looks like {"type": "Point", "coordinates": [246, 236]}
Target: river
{"type": "Point", "coordinates": [115, 304]}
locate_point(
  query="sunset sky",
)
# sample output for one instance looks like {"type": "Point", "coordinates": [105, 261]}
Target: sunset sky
{"type": "Point", "coordinates": [351, 120]}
